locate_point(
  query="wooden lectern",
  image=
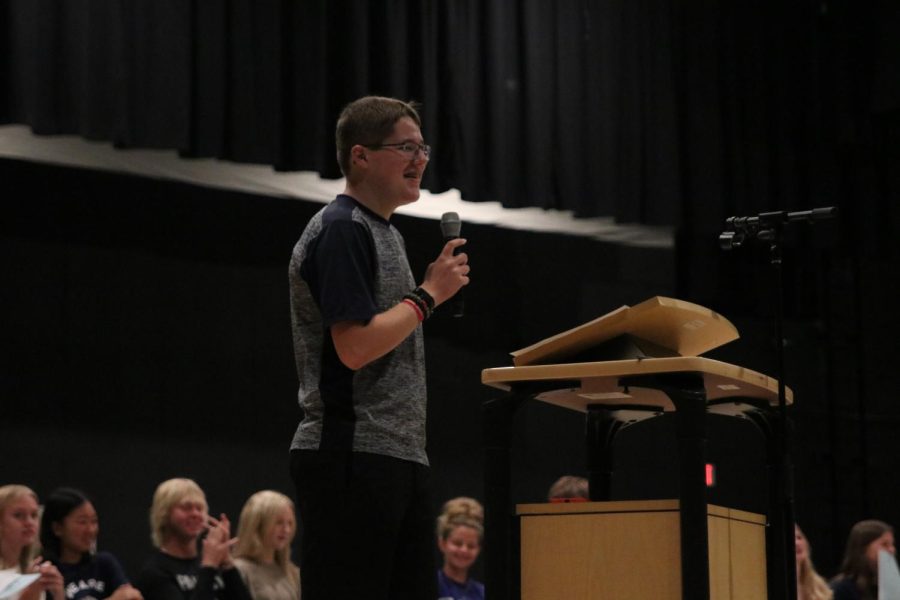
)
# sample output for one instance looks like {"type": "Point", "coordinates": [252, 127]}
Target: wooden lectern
{"type": "Point", "coordinates": [632, 364]}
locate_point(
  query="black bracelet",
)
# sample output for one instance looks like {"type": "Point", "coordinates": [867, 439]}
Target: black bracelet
{"type": "Point", "coordinates": [425, 296]}
{"type": "Point", "coordinates": [420, 302]}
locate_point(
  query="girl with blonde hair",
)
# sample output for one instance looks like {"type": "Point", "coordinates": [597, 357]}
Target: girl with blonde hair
{"type": "Point", "coordinates": [263, 551]}
{"type": "Point", "coordinates": [19, 528]}
{"type": "Point", "coordinates": [460, 530]}
{"type": "Point", "coordinates": [810, 585]}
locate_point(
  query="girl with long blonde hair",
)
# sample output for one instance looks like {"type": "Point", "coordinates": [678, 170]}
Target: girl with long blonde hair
{"type": "Point", "coordinates": [263, 551]}
{"type": "Point", "coordinates": [810, 585]}
{"type": "Point", "coordinates": [19, 529]}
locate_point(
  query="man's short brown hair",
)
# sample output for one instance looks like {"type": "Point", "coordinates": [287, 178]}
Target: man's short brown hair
{"type": "Point", "coordinates": [368, 121]}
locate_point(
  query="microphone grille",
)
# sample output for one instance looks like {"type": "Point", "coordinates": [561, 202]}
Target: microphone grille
{"type": "Point", "coordinates": [450, 224]}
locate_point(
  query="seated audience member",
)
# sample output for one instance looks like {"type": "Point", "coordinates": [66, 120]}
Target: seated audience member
{"type": "Point", "coordinates": [179, 570]}
{"type": "Point", "coordinates": [19, 526]}
{"type": "Point", "coordinates": [263, 551]}
{"type": "Point", "coordinates": [569, 488]}
{"type": "Point", "coordinates": [69, 529]}
{"type": "Point", "coordinates": [858, 578]}
{"type": "Point", "coordinates": [460, 529]}
{"type": "Point", "coordinates": [810, 585]}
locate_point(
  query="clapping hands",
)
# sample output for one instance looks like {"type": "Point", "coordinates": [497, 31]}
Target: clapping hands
{"type": "Point", "coordinates": [217, 544]}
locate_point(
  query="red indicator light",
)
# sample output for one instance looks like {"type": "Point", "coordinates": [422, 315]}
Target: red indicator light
{"type": "Point", "coordinates": [710, 475]}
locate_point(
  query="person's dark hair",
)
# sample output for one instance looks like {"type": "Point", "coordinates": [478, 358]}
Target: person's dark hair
{"type": "Point", "coordinates": [855, 565]}
{"type": "Point", "coordinates": [368, 121]}
{"type": "Point", "coordinates": [57, 506]}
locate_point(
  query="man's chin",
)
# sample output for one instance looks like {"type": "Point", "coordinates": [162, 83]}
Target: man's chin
{"type": "Point", "coordinates": [192, 532]}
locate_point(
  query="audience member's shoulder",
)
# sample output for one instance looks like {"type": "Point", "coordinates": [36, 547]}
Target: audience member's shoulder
{"type": "Point", "coordinates": [479, 589]}
{"type": "Point", "coordinates": [106, 561]}
{"type": "Point", "coordinates": [244, 564]}
{"type": "Point", "coordinates": [844, 589]}
{"type": "Point", "coordinates": [157, 562]}
{"type": "Point", "coordinates": [105, 557]}
{"type": "Point", "coordinates": [153, 558]}
{"type": "Point", "coordinates": [160, 568]}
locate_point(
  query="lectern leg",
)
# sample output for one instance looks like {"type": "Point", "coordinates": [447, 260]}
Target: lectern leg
{"type": "Point", "coordinates": [690, 423]}
{"type": "Point", "coordinates": [500, 556]}
{"type": "Point", "coordinates": [688, 394]}
{"type": "Point", "coordinates": [601, 428]}
{"type": "Point", "coordinates": [780, 558]}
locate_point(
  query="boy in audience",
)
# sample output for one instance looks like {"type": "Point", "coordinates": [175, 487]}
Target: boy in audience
{"type": "Point", "coordinates": [183, 567]}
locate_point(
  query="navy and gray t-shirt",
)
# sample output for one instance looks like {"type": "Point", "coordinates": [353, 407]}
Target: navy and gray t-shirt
{"type": "Point", "coordinates": [350, 265]}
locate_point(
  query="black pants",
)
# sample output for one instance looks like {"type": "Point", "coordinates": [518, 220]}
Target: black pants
{"type": "Point", "coordinates": [367, 529]}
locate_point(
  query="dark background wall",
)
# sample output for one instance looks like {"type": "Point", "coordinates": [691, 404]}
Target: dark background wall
{"type": "Point", "coordinates": [146, 335]}
{"type": "Point", "coordinates": [143, 324]}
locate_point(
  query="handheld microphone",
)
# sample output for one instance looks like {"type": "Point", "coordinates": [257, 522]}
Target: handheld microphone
{"type": "Point", "coordinates": [450, 228]}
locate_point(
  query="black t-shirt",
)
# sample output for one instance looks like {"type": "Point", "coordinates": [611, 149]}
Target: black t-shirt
{"type": "Point", "coordinates": [165, 577]}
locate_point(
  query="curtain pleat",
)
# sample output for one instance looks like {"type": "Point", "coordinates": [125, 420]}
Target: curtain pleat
{"type": "Point", "coordinates": [650, 111]}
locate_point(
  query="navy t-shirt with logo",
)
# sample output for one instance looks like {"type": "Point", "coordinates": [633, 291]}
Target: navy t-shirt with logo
{"type": "Point", "coordinates": [94, 578]}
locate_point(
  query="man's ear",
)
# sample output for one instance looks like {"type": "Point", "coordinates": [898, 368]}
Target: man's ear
{"type": "Point", "coordinates": [358, 153]}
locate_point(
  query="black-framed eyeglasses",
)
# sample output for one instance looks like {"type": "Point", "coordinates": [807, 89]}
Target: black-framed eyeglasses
{"type": "Point", "coordinates": [408, 149]}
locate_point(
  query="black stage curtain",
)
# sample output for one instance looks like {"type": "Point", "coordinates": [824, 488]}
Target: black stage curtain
{"type": "Point", "coordinates": [649, 111]}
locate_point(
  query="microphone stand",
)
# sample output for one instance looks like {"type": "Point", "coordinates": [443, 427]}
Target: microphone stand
{"type": "Point", "coordinates": [768, 228]}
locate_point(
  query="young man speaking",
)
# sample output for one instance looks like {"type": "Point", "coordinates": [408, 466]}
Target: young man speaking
{"type": "Point", "coordinates": [358, 457]}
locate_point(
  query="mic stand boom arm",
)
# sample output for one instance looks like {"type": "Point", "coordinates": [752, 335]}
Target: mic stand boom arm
{"type": "Point", "coordinates": [764, 225]}
{"type": "Point", "coordinates": [767, 227]}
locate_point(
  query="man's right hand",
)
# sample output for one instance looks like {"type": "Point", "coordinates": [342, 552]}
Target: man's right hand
{"type": "Point", "coordinates": [448, 273]}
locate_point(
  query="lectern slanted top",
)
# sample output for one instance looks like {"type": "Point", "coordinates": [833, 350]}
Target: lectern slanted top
{"type": "Point", "coordinates": [673, 327]}
{"type": "Point", "coordinates": [659, 336]}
